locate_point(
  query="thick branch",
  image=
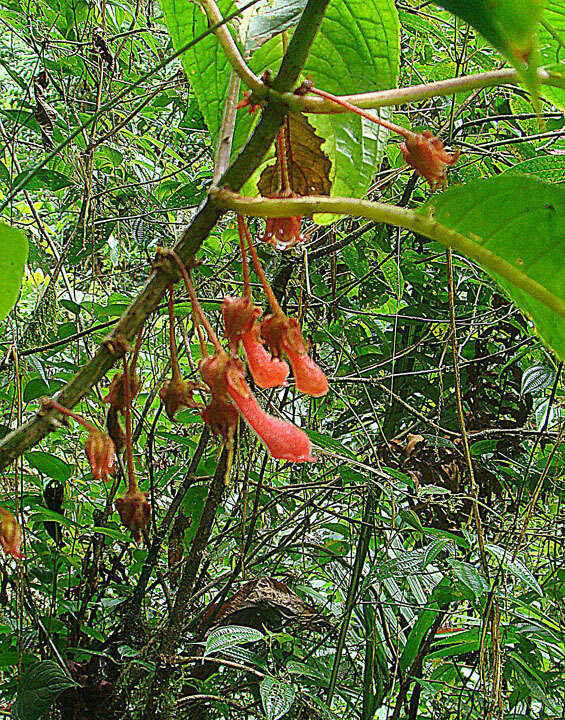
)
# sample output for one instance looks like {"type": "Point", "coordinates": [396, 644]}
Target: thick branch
{"type": "Point", "coordinates": [418, 222]}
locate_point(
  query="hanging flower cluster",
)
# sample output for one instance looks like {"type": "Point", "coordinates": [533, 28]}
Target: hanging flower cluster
{"type": "Point", "coordinates": [264, 343]}
{"type": "Point", "coordinates": [101, 448]}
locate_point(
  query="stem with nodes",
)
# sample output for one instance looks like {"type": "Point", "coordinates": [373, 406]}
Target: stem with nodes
{"type": "Point", "coordinates": [132, 485]}
{"type": "Point", "coordinates": [273, 302]}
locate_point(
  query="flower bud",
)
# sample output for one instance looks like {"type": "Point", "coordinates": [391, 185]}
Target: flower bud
{"type": "Point", "coordinates": [116, 396]}
{"type": "Point", "coordinates": [221, 418]}
{"type": "Point", "coordinates": [134, 511]}
{"type": "Point", "coordinates": [10, 534]}
{"type": "Point", "coordinates": [101, 454]}
{"type": "Point", "coordinates": [285, 231]}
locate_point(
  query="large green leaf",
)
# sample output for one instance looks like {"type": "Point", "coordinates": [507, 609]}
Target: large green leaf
{"type": "Point", "coordinates": [509, 25]}
{"type": "Point", "coordinates": [13, 256]}
{"type": "Point", "coordinates": [356, 50]}
{"type": "Point", "coordinates": [39, 687]}
{"type": "Point", "coordinates": [520, 220]}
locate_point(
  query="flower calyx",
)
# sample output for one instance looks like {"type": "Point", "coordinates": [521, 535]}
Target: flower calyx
{"type": "Point", "coordinates": [177, 393]}
{"type": "Point", "coordinates": [10, 534]}
{"type": "Point", "coordinates": [134, 511]}
{"type": "Point", "coordinates": [426, 154]}
{"type": "Point", "coordinates": [101, 453]}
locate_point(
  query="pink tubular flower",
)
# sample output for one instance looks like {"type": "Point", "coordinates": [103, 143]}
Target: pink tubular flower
{"type": "Point", "coordinates": [283, 334]}
{"type": "Point", "coordinates": [101, 453]}
{"type": "Point", "coordinates": [134, 511]}
{"type": "Point", "coordinates": [426, 154]}
{"type": "Point", "coordinates": [267, 371]}
{"type": "Point", "coordinates": [10, 534]}
{"type": "Point", "coordinates": [224, 376]}
{"type": "Point", "coordinates": [240, 323]}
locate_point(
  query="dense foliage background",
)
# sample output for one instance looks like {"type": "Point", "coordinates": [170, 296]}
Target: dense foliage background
{"type": "Point", "coordinates": [362, 576]}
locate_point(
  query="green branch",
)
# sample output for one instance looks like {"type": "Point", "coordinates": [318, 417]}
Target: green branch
{"type": "Point", "coordinates": [419, 222]}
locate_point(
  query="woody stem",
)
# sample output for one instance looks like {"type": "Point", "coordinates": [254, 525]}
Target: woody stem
{"type": "Point", "coordinates": [132, 485]}
{"type": "Point", "coordinates": [172, 343]}
{"type": "Point", "coordinates": [242, 227]}
{"type": "Point", "coordinates": [406, 134]}
{"type": "Point", "coordinates": [273, 302]}
{"type": "Point", "coordinates": [65, 411]}
{"type": "Point", "coordinates": [194, 300]}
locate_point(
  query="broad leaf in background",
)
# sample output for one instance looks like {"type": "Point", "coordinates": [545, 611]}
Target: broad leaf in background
{"type": "Point", "coordinates": [552, 49]}
{"type": "Point", "coordinates": [509, 25]}
{"type": "Point", "coordinates": [536, 378]}
{"type": "Point", "coordinates": [515, 566]}
{"type": "Point", "coordinates": [230, 635]}
{"type": "Point", "coordinates": [277, 697]}
{"type": "Point", "coordinates": [40, 685]}
{"type": "Point", "coordinates": [13, 256]}
{"type": "Point", "coordinates": [205, 64]}
{"type": "Point", "coordinates": [522, 221]}
{"type": "Point", "coordinates": [356, 50]}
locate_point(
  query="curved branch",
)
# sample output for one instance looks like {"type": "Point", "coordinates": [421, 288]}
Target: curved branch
{"type": "Point", "coordinates": [418, 222]}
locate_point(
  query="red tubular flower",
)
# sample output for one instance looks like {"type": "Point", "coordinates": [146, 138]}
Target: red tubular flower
{"type": "Point", "coordinates": [224, 376]}
{"type": "Point", "coordinates": [10, 534]}
{"type": "Point", "coordinates": [101, 453]}
{"type": "Point", "coordinates": [285, 231]}
{"type": "Point", "coordinates": [426, 154]}
{"type": "Point", "coordinates": [283, 334]}
{"type": "Point", "coordinates": [134, 511]}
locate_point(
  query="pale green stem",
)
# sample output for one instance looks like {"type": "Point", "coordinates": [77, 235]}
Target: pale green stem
{"type": "Point", "coordinates": [419, 222]}
{"type": "Point", "coordinates": [229, 46]}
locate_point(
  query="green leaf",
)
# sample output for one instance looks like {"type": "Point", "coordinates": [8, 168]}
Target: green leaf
{"type": "Point", "coordinates": [277, 697]}
{"type": "Point", "coordinates": [44, 180]}
{"type": "Point", "coordinates": [274, 18]}
{"type": "Point", "coordinates": [520, 222]}
{"type": "Point", "coordinates": [50, 465]}
{"type": "Point", "coordinates": [516, 567]}
{"type": "Point", "coordinates": [536, 378]}
{"type": "Point", "coordinates": [547, 167]}
{"type": "Point", "coordinates": [230, 635]}
{"type": "Point", "coordinates": [362, 39]}
{"type": "Point", "coordinates": [469, 576]}
{"type": "Point", "coordinates": [13, 256]}
{"type": "Point", "coordinates": [40, 685]}
{"type": "Point", "coordinates": [509, 25]}
{"type": "Point", "coordinates": [414, 639]}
